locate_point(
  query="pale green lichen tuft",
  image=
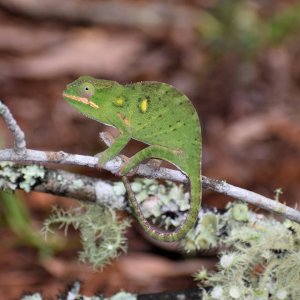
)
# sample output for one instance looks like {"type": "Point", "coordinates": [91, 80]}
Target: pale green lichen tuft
{"type": "Point", "coordinates": [278, 192]}
{"type": "Point", "coordinates": [31, 174]}
{"type": "Point", "coordinates": [74, 293]}
{"type": "Point", "coordinates": [239, 212]}
{"type": "Point", "coordinates": [102, 233]}
{"type": "Point", "coordinates": [204, 235]}
{"type": "Point", "coordinates": [162, 203]}
{"type": "Point", "coordinates": [201, 275]}
{"type": "Point", "coordinates": [35, 296]}
{"type": "Point", "coordinates": [262, 259]}
{"type": "Point", "coordinates": [14, 177]}
{"type": "Point", "coordinates": [119, 189]}
{"type": "Point", "coordinates": [78, 184]}
{"type": "Point", "coordinates": [122, 296]}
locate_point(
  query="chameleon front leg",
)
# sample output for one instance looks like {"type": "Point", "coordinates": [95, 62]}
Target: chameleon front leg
{"type": "Point", "coordinates": [118, 144]}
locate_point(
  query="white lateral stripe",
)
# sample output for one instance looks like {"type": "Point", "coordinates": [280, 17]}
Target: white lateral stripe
{"type": "Point", "coordinates": [81, 99]}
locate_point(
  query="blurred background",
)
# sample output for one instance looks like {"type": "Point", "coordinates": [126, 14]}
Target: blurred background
{"type": "Point", "coordinates": [237, 60]}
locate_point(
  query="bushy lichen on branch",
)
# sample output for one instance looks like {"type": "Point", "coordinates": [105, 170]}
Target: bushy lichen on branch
{"type": "Point", "coordinates": [261, 260]}
{"type": "Point", "coordinates": [102, 232]}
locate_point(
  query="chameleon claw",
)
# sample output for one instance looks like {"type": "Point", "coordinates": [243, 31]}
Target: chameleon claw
{"type": "Point", "coordinates": [100, 165]}
{"type": "Point", "coordinates": [124, 168]}
{"type": "Point", "coordinates": [101, 162]}
{"type": "Point", "coordinates": [154, 164]}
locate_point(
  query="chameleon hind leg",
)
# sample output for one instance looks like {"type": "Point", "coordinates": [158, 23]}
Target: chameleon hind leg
{"type": "Point", "coordinates": [153, 152]}
{"type": "Point", "coordinates": [109, 140]}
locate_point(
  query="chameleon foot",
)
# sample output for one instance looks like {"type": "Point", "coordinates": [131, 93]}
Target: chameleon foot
{"type": "Point", "coordinates": [101, 160]}
{"type": "Point", "coordinates": [154, 164]}
{"type": "Point", "coordinates": [124, 168]}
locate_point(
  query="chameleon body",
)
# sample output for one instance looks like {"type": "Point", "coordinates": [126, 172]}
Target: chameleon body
{"type": "Point", "coordinates": [156, 114]}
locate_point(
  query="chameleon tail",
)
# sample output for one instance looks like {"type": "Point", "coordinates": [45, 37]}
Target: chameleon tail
{"type": "Point", "coordinates": [179, 232]}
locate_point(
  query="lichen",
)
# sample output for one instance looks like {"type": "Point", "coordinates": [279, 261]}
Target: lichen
{"type": "Point", "coordinates": [102, 232]}
{"type": "Point", "coordinates": [73, 293]}
{"type": "Point", "coordinates": [119, 189]}
{"type": "Point", "coordinates": [78, 184]}
{"type": "Point", "coordinates": [14, 177]}
{"type": "Point", "coordinates": [164, 204]}
{"type": "Point", "coordinates": [35, 296]}
{"type": "Point", "coordinates": [261, 259]}
{"type": "Point", "coordinates": [112, 195]}
{"type": "Point", "coordinates": [122, 296]}
{"type": "Point", "coordinates": [204, 235]}
{"type": "Point", "coordinates": [240, 212]}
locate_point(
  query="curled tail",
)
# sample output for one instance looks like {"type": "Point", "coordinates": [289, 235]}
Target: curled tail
{"type": "Point", "coordinates": [179, 232]}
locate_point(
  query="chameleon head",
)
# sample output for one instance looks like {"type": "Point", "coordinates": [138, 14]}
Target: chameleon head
{"type": "Point", "coordinates": [80, 93]}
{"type": "Point", "coordinates": [91, 97]}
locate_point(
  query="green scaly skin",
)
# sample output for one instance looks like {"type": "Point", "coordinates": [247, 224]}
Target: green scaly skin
{"type": "Point", "coordinates": [154, 113]}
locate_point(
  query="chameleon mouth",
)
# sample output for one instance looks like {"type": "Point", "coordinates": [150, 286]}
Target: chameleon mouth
{"type": "Point", "coordinates": [81, 99]}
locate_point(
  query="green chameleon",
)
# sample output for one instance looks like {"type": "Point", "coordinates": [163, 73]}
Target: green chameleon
{"type": "Point", "coordinates": [154, 113]}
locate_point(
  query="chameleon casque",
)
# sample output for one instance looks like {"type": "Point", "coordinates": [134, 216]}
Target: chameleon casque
{"type": "Point", "coordinates": [156, 114]}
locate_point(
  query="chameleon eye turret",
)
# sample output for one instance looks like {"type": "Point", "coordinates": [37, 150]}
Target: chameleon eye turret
{"type": "Point", "coordinates": [156, 114]}
{"type": "Point", "coordinates": [87, 89]}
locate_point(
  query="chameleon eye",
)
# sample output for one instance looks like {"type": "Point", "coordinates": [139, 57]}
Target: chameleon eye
{"type": "Point", "coordinates": [87, 90]}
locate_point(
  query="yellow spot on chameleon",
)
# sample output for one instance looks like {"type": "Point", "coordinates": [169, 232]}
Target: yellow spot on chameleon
{"type": "Point", "coordinates": [119, 101]}
{"type": "Point", "coordinates": [144, 105]}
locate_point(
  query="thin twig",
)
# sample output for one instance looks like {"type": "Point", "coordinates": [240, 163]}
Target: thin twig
{"type": "Point", "coordinates": [18, 134]}
{"type": "Point", "coordinates": [143, 170]}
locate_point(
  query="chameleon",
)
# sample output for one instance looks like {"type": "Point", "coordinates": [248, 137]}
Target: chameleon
{"type": "Point", "coordinates": [156, 114]}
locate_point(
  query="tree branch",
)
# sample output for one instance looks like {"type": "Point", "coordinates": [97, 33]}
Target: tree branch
{"type": "Point", "coordinates": [143, 170]}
